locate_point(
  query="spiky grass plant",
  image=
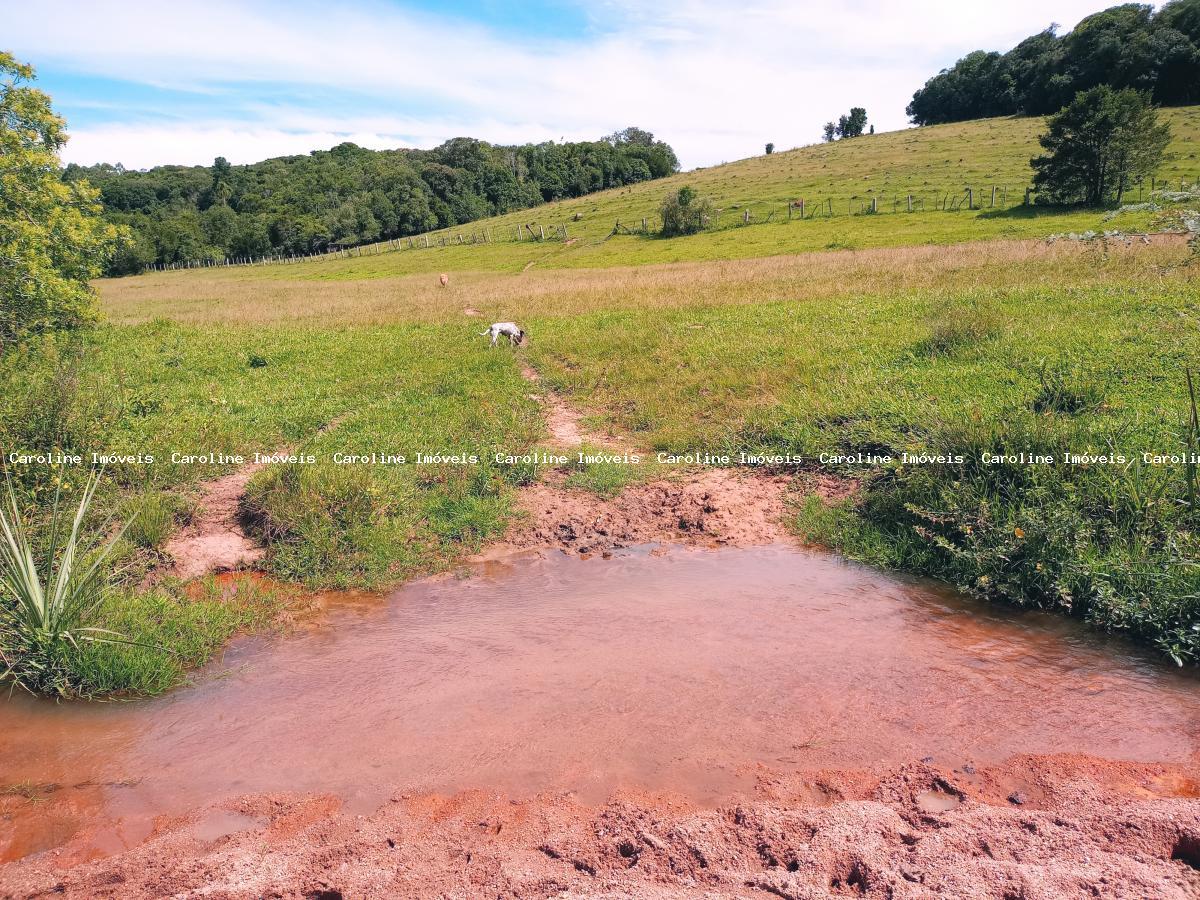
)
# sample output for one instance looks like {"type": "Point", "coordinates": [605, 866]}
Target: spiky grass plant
{"type": "Point", "coordinates": [46, 608]}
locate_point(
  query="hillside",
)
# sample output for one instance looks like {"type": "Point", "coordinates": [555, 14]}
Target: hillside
{"type": "Point", "coordinates": [350, 195]}
{"type": "Point", "coordinates": [934, 164]}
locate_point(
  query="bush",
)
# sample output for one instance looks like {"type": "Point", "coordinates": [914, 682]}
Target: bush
{"type": "Point", "coordinates": [685, 213]}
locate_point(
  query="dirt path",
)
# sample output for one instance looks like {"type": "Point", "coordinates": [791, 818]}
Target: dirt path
{"type": "Point", "coordinates": [564, 421]}
{"type": "Point", "coordinates": [1040, 828]}
{"type": "Point", "coordinates": [710, 507]}
{"type": "Point", "coordinates": [215, 541]}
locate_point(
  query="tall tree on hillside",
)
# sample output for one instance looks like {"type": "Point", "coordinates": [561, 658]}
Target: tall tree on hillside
{"type": "Point", "coordinates": [830, 132]}
{"type": "Point", "coordinates": [1098, 145]}
{"type": "Point", "coordinates": [852, 126]}
{"type": "Point", "coordinates": [52, 241]}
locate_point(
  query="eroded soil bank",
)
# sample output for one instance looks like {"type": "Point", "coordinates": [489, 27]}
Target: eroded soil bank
{"type": "Point", "coordinates": [1083, 828]}
{"type": "Point", "coordinates": [739, 722]}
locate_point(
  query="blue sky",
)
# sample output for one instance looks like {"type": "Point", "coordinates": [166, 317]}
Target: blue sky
{"type": "Point", "coordinates": [145, 83]}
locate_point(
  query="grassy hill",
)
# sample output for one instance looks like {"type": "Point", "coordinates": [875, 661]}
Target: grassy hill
{"type": "Point", "coordinates": [931, 164]}
{"type": "Point", "coordinates": [939, 333]}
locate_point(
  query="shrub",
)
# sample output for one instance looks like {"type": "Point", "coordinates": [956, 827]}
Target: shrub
{"type": "Point", "coordinates": [685, 213]}
{"type": "Point", "coordinates": [1113, 545]}
{"type": "Point", "coordinates": [48, 611]}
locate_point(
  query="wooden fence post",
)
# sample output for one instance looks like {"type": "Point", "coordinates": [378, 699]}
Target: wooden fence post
{"type": "Point", "coordinates": [993, 203]}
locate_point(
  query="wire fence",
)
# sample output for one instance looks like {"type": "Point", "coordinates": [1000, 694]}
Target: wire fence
{"type": "Point", "coordinates": [735, 215]}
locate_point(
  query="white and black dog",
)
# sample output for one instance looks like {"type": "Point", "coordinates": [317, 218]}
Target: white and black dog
{"type": "Point", "coordinates": [515, 335]}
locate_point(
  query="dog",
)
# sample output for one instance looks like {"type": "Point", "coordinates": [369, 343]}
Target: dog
{"type": "Point", "coordinates": [515, 335]}
{"type": "Point", "coordinates": [444, 279]}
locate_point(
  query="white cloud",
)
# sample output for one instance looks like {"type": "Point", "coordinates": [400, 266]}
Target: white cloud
{"type": "Point", "coordinates": [716, 80]}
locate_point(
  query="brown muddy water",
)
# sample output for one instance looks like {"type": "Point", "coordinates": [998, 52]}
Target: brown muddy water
{"type": "Point", "coordinates": [680, 672]}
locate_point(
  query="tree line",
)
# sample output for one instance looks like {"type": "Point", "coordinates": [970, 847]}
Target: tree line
{"type": "Point", "coordinates": [1127, 46]}
{"type": "Point", "coordinates": [351, 195]}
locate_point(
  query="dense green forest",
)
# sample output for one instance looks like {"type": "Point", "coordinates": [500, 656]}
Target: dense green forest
{"type": "Point", "coordinates": [1127, 46]}
{"type": "Point", "coordinates": [350, 195]}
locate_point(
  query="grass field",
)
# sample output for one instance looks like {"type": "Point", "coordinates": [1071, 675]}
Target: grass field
{"type": "Point", "coordinates": [932, 332]}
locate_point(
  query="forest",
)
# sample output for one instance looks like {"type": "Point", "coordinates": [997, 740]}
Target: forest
{"type": "Point", "coordinates": [351, 195]}
{"type": "Point", "coordinates": [1127, 46]}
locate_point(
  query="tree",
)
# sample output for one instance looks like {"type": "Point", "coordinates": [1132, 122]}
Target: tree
{"type": "Point", "coordinates": [852, 126]}
{"type": "Point", "coordinates": [1099, 144]}
{"type": "Point", "coordinates": [632, 135]}
{"type": "Point", "coordinates": [52, 241]}
{"type": "Point", "coordinates": [683, 212]}
{"type": "Point", "coordinates": [1125, 46]}
{"type": "Point", "coordinates": [770, 148]}
{"type": "Point", "coordinates": [849, 126]}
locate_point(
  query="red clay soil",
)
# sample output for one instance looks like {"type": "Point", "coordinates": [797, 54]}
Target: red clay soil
{"type": "Point", "coordinates": [1036, 828]}
{"type": "Point", "coordinates": [214, 540]}
{"type": "Point", "coordinates": [706, 508]}
{"type": "Point", "coordinates": [564, 422]}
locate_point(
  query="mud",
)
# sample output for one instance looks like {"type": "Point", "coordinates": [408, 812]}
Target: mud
{"type": "Point", "coordinates": [766, 722]}
{"type": "Point", "coordinates": [693, 507]}
{"type": "Point", "coordinates": [1097, 829]}
{"type": "Point", "coordinates": [706, 508]}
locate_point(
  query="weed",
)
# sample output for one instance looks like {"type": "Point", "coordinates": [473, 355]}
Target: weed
{"type": "Point", "coordinates": [1069, 391]}
{"type": "Point", "coordinates": [958, 327]}
{"type": "Point", "coordinates": [152, 520]}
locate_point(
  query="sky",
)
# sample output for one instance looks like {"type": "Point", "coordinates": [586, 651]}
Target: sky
{"type": "Point", "coordinates": [147, 83]}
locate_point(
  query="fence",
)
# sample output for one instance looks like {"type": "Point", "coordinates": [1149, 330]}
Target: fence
{"type": "Point", "coordinates": [734, 215]}
{"type": "Point", "coordinates": [533, 231]}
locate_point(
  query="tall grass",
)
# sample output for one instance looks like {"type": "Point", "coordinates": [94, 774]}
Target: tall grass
{"type": "Point", "coordinates": [48, 608]}
{"type": "Point", "coordinates": [1115, 545]}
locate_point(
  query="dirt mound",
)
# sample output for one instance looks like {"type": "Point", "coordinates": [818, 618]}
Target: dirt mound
{"type": "Point", "coordinates": [1088, 828]}
{"type": "Point", "coordinates": [708, 508]}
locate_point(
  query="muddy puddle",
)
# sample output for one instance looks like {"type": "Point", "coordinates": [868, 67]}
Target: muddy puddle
{"type": "Point", "coordinates": [679, 671]}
